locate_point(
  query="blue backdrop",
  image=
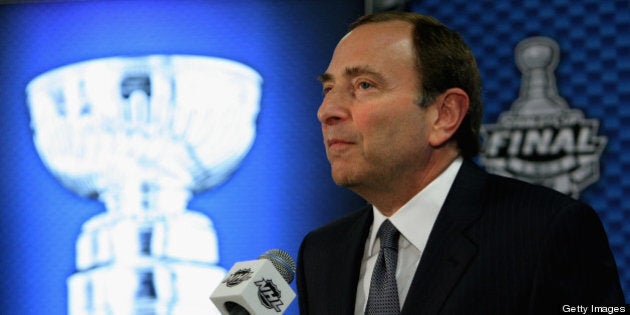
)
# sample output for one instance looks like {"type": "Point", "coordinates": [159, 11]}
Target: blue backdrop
{"type": "Point", "coordinates": [282, 189]}
{"type": "Point", "coordinates": [593, 75]}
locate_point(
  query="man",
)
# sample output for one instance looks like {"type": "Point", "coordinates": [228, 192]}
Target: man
{"type": "Point", "coordinates": [400, 120]}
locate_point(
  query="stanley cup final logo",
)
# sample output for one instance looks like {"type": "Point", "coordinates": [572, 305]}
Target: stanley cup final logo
{"type": "Point", "coordinates": [540, 139]}
{"type": "Point", "coordinates": [142, 134]}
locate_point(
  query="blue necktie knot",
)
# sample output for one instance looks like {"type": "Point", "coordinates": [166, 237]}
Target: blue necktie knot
{"type": "Point", "coordinates": [388, 234]}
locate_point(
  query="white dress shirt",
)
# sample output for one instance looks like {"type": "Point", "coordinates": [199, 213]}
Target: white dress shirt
{"type": "Point", "coordinates": [414, 221]}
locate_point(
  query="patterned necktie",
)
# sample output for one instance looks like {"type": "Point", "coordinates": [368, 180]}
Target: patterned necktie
{"type": "Point", "coordinates": [383, 298]}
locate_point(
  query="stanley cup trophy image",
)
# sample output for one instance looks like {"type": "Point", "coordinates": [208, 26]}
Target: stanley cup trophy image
{"type": "Point", "coordinates": [142, 134]}
{"type": "Point", "coordinates": [541, 139]}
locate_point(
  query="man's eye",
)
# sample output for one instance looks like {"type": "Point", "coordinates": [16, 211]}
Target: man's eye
{"type": "Point", "coordinates": [326, 89]}
{"type": "Point", "coordinates": [364, 85]}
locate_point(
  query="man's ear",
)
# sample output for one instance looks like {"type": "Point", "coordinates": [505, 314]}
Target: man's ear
{"type": "Point", "coordinates": [450, 109]}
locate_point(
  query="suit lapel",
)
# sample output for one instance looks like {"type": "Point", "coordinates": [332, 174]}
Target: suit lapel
{"type": "Point", "coordinates": [348, 254]}
{"type": "Point", "coordinates": [449, 250]}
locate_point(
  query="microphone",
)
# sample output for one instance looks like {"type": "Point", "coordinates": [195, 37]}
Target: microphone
{"type": "Point", "coordinates": [257, 287]}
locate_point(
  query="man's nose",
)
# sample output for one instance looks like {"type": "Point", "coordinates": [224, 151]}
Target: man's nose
{"type": "Point", "coordinates": [334, 108]}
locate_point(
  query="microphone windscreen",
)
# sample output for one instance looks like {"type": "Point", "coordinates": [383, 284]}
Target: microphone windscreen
{"type": "Point", "coordinates": [282, 261]}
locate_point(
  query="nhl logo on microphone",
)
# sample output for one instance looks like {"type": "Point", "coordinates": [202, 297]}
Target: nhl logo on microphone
{"type": "Point", "coordinates": [238, 277]}
{"type": "Point", "coordinates": [269, 294]}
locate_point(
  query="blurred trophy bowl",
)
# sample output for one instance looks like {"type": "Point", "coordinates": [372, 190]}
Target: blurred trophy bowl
{"type": "Point", "coordinates": [142, 134]}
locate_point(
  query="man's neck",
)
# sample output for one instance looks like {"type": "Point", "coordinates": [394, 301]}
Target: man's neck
{"type": "Point", "coordinates": [389, 198]}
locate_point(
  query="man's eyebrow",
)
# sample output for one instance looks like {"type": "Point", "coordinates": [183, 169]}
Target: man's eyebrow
{"type": "Point", "coordinates": [324, 77]}
{"type": "Point", "coordinates": [351, 72]}
{"type": "Point", "coordinates": [361, 70]}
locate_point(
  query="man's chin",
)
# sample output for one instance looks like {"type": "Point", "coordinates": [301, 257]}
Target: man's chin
{"type": "Point", "coordinates": [344, 180]}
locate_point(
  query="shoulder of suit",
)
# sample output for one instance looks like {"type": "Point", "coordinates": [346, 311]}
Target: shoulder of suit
{"type": "Point", "coordinates": [520, 194]}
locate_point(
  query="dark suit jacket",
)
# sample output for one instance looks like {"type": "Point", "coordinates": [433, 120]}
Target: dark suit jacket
{"type": "Point", "coordinates": [499, 246]}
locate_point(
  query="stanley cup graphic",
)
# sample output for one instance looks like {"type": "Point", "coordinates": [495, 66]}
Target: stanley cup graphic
{"type": "Point", "coordinates": [142, 134]}
{"type": "Point", "coordinates": [540, 139]}
{"type": "Point", "coordinates": [537, 59]}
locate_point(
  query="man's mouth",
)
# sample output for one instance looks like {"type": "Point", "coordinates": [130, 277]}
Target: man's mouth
{"type": "Point", "coordinates": [337, 143]}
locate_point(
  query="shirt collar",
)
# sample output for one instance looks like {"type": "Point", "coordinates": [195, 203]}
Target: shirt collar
{"type": "Point", "coordinates": [415, 219]}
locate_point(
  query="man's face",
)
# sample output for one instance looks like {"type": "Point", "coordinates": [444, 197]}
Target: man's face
{"type": "Point", "coordinates": [374, 131]}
